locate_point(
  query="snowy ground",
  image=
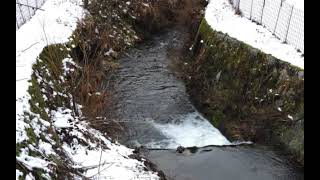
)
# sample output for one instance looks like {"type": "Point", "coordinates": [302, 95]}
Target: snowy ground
{"type": "Point", "coordinates": [24, 10]}
{"type": "Point", "coordinates": [297, 3]}
{"type": "Point", "coordinates": [110, 161]}
{"type": "Point", "coordinates": [221, 17]}
{"type": "Point", "coordinates": [53, 25]}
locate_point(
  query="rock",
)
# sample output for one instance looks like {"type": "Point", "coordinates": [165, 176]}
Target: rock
{"type": "Point", "coordinates": [180, 149]}
{"type": "Point", "coordinates": [193, 149]}
{"type": "Point", "coordinates": [204, 3]}
{"type": "Point", "coordinates": [114, 54]}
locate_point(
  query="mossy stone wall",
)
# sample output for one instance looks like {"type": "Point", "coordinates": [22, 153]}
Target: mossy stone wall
{"type": "Point", "coordinates": [247, 94]}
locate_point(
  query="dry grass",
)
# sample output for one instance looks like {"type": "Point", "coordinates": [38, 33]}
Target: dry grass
{"type": "Point", "coordinates": [99, 32]}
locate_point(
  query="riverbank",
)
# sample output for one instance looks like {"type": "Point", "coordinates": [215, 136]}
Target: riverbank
{"type": "Point", "coordinates": [64, 102]}
{"type": "Point", "coordinates": [246, 93]}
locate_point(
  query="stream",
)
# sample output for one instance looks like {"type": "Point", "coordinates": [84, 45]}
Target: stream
{"type": "Point", "coordinates": [154, 105]}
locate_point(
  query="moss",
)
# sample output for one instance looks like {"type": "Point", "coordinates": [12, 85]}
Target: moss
{"type": "Point", "coordinates": [242, 92]}
{"type": "Point", "coordinates": [38, 173]}
{"type": "Point", "coordinates": [32, 136]}
{"type": "Point", "coordinates": [34, 153]}
{"type": "Point", "coordinates": [22, 169]}
{"type": "Point", "coordinates": [23, 177]}
{"type": "Point", "coordinates": [217, 118]}
{"type": "Point", "coordinates": [19, 146]}
{"type": "Point", "coordinates": [37, 103]}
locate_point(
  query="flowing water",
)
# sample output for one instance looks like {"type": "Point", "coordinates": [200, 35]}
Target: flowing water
{"type": "Point", "coordinates": [155, 107]}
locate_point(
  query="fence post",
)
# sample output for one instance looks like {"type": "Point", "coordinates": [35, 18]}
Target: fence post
{"type": "Point", "coordinates": [251, 9]}
{"type": "Point", "coordinates": [277, 18]}
{"type": "Point", "coordinates": [28, 9]}
{"type": "Point", "coordinates": [264, 2]}
{"type": "Point", "coordinates": [285, 39]}
{"type": "Point", "coordinates": [17, 22]}
{"type": "Point", "coordinates": [24, 20]}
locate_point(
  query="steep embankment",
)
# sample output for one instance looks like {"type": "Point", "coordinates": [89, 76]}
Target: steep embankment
{"type": "Point", "coordinates": [246, 93]}
{"type": "Point", "coordinates": [65, 100]}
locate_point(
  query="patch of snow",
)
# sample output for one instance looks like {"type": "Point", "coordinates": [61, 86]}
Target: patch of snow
{"type": "Point", "coordinates": [30, 177]}
{"type": "Point", "coordinates": [61, 119]}
{"type": "Point", "coordinates": [41, 30]}
{"type": "Point", "coordinates": [18, 174]}
{"type": "Point", "coordinates": [221, 17]}
{"type": "Point", "coordinates": [146, 5]}
{"type": "Point", "coordinates": [32, 162]}
{"type": "Point", "coordinates": [296, 3]}
{"type": "Point", "coordinates": [108, 53]}
{"type": "Point", "coordinates": [241, 142]}
{"type": "Point", "coordinates": [21, 134]}
{"type": "Point", "coordinates": [114, 164]}
{"type": "Point", "coordinates": [46, 148]}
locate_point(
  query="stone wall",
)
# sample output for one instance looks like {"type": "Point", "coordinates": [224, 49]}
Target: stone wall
{"type": "Point", "coordinates": [247, 94]}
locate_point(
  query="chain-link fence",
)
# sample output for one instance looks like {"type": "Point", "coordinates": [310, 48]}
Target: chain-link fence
{"type": "Point", "coordinates": [25, 9]}
{"type": "Point", "coordinates": [281, 18]}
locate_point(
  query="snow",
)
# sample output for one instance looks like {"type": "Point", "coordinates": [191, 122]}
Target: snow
{"type": "Point", "coordinates": [46, 148]}
{"type": "Point", "coordinates": [18, 174]}
{"type": "Point", "coordinates": [32, 162]}
{"type": "Point", "coordinates": [221, 17]}
{"type": "Point", "coordinates": [113, 161]}
{"type": "Point", "coordinates": [296, 3]}
{"type": "Point", "coordinates": [30, 177]}
{"type": "Point", "coordinates": [109, 52]}
{"type": "Point", "coordinates": [55, 25]}
{"type": "Point", "coordinates": [61, 119]}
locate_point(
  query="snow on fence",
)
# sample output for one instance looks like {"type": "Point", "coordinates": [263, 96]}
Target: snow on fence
{"type": "Point", "coordinates": [25, 9]}
{"type": "Point", "coordinates": [281, 18]}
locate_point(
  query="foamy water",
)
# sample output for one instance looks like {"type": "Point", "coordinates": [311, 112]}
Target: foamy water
{"type": "Point", "coordinates": [189, 130]}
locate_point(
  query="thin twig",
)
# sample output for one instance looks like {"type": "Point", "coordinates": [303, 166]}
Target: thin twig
{"type": "Point", "coordinates": [103, 169]}
{"type": "Point", "coordinates": [99, 163]}
{"type": "Point", "coordinates": [21, 79]}
{"type": "Point", "coordinates": [23, 166]}
{"type": "Point", "coordinates": [30, 46]}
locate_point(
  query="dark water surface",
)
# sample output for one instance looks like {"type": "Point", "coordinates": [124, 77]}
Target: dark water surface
{"type": "Point", "coordinates": [224, 163]}
{"type": "Point", "coordinates": [155, 107]}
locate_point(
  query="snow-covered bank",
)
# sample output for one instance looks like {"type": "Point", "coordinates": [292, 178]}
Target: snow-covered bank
{"type": "Point", "coordinates": [53, 25]}
{"type": "Point", "coordinates": [221, 17]}
{"type": "Point", "coordinates": [296, 3]}
{"type": "Point", "coordinates": [99, 158]}
{"type": "Point", "coordinates": [41, 142]}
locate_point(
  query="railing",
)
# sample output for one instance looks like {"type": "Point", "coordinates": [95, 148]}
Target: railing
{"type": "Point", "coordinates": [25, 9]}
{"type": "Point", "coordinates": [281, 18]}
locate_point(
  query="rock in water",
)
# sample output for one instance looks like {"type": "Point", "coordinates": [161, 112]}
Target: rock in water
{"type": "Point", "coordinates": [180, 149]}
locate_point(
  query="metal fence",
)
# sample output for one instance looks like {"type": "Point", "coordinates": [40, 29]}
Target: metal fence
{"type": "Point", "coordinates": [25, 9]}
{"type": "Point", "coordinates": [281, 18]}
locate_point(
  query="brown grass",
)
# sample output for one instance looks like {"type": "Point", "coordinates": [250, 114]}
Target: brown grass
{"type": "Point", "coordinates": [95, 36]}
